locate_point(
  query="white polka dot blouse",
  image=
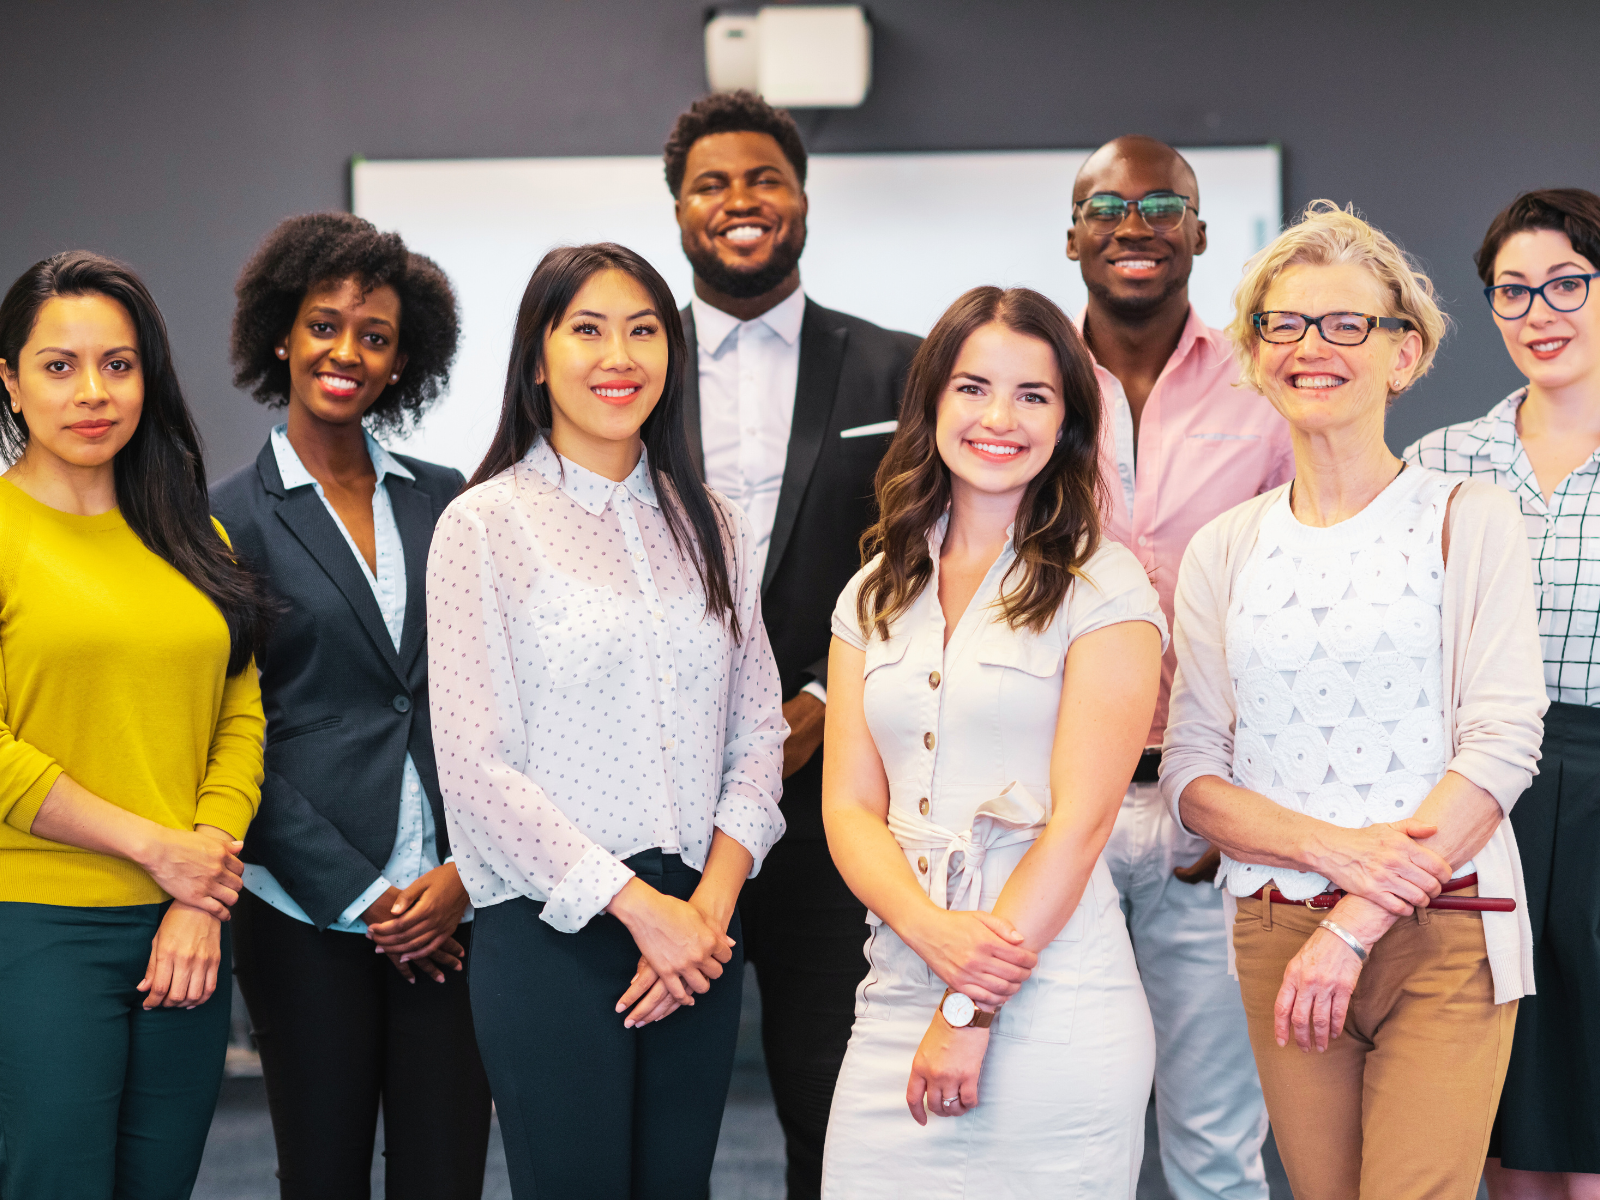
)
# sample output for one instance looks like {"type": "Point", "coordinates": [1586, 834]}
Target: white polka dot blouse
{"type": "Point", "coordinates": [585, 707]}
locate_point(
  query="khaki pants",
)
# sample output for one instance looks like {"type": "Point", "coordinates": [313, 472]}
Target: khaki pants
{"type": "Point", "coordinates": [1400, 1105]}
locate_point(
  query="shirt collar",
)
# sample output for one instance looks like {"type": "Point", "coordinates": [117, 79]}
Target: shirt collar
{"type": "Point", "coordinates": [1195, 330]}
{"type": "Point", "coordinates": [713, 327]}
{"type": "Point", "coordinates": [588, 490]}
{"type": "Point", "coordinates": [294, 474]}
{"type": "Point", "coordinates": [1495, 433]}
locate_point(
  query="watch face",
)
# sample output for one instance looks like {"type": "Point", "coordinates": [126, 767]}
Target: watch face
{"type": "Point", "coordinates": [959, 1010]}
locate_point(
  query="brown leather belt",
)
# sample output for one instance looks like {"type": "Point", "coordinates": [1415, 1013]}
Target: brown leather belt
{"type": "Point", "coordinates": [1441, 903]}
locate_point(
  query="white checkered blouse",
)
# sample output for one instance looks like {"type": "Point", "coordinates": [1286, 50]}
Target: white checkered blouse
{"type": "Point", "coordinates": [1563, 537]}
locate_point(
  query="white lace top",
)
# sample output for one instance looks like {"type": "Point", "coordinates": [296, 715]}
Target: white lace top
{"type": "Point", "coordinates": [1333, 643]}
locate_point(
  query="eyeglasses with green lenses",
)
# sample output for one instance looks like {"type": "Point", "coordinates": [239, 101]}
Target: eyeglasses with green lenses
{"type": "Point", "coordinates": [1511, 301]}
{"type": "Point", "coordinates": [1161, 211]}
{"type": "Point", "coordinates": [1337, 328]}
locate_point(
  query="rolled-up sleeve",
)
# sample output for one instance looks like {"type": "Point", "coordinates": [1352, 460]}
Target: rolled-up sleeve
{"type": "Point", "coordinates": [752, 754]}
{"type": "Point", "coordinates": [1499, 688]}
{"type": "Point", "coordinates": [480, 740]}
{"type": "Point", "coordinates": [1200, 717]}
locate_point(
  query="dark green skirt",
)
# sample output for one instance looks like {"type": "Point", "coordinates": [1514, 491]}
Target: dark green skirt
{"type": "Point", "coordinates": [1550, 1110]}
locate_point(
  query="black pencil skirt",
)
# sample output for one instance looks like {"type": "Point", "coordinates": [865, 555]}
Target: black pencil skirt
{"type": "Point", "coordinates": [1550, 1109]}
{"type": "Point", "coordinates": [590, 1110]}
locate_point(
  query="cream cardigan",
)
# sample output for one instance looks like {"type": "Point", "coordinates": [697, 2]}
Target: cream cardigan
{"type": "Point", "coordinates": [1494, 694]}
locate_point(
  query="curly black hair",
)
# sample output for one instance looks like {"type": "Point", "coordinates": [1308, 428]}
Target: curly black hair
{"type": "Point", "coordinates": [318, 248]}
{"type": "Point", "coordinates": [730, 112]}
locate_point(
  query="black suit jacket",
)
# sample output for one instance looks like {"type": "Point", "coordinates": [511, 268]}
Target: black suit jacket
{"type": "Point", "coordinates": [851, 374]}
{"type": "Point", "coordinates": [343, 707]}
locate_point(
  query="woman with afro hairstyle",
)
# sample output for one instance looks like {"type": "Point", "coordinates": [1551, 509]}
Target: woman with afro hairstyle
{"type": "Point", "coordinates": [350, 934]}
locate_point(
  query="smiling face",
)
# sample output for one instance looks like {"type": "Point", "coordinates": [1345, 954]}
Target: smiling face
{"type": "Point", "coordinates": [343, 349]}
{"type": "Point", "coordinates": [79, 382]}
{"type": "Point", "coordinates": [742, 213]}
{"type": "Point", "coordinates": [1000, 413]}
{"type": "Point", "coordinates": [1133, 268]}
{"type": "Point", "coordinates": [1320, 387]}
{"type": "Point", "coordinates": [1552, 349]}
{"type": "Point", "coordinates": [605, 364]}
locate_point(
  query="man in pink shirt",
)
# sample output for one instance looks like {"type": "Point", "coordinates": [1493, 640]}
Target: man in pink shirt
{"type": "Point", "coordinates": [1181, 443]}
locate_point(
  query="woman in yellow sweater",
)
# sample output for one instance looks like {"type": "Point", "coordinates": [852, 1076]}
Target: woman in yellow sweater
{"type": "Point", "coordinates": [130, 746]}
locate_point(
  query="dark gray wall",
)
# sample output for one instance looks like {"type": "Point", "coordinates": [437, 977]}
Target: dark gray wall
{"type": "Point", "coordinates": [174, 135]}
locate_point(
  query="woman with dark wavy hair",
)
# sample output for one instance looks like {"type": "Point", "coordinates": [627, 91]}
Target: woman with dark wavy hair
{"type": "Point", "coordinates": [352, 333]}
{"type": "Point", "coordinates": [607, 711]}
{"type": "Point", "coordinates": [130, 746]}
{"type": "Point", "coordinates": [993, 675]}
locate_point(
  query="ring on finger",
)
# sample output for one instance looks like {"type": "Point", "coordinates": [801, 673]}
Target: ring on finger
{"type": "Point", "coordinates": [952, 1100]}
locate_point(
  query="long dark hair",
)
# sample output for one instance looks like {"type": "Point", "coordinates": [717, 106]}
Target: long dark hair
{"type": "Point", "coordinates": [160, 475]}
{"type": "Point", "coordinates": [1058, 519]}
{"type": "Point", "coordinates": [525, 412]}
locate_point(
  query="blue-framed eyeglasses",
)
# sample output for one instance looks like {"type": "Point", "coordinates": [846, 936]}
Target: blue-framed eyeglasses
{"type": "Point", "coordinates": [1566, 293]}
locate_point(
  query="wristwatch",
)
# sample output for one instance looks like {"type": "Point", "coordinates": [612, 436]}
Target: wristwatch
{"type": "Point", "coordinates": [960, 1012]}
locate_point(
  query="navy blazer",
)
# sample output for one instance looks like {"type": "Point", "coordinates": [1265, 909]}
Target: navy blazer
{"type": "Point", "coordinates": [343, 707]}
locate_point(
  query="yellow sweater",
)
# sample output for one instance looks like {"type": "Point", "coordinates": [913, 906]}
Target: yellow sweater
{"type": "Point", "coordinates": [113, 669]}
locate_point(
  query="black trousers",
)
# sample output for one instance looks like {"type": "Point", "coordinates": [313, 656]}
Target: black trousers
{"type": "Point", "coordinates": [804, 934]}
{"type": "Point", "coordinates": [339, 1031]}
{"type": "Point", "coordinates": [1549, 1116]}
{"type": "Point", "coordinates": [590, 1110]}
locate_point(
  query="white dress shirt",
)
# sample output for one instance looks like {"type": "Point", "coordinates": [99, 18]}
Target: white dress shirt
{"type": "Point", "coordinates": [415, 851]}
{"type": "Point", "coordinates": [748, 374]}
{"type": "Point", "coordinates": [585, 709]}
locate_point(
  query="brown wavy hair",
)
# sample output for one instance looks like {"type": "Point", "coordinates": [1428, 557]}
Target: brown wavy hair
{"type": "Point", "coordinates": [1058, 520]}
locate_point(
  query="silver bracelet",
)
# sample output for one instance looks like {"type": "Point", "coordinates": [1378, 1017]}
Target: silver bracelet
{"type": "Point", "coordinates": [1345, 936]}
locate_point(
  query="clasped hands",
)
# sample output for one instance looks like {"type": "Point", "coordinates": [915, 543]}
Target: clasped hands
{"type": "Point", "coordinates": [1388, 874]}
{"type": "Point", "coordinates": [982, 956]}
{"type": "Point", "coordinates": [415, 926]}
{"type": "Point", "coordinates": [202, 872]}
{"type": "Point", "coordinates": [683, 946]}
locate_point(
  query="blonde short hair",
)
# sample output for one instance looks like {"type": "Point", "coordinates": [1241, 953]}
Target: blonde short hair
{"type": "Point", "coordinates": [1326, 235]}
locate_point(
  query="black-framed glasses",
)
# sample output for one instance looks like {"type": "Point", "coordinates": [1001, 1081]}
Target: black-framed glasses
{"type": "Point", "coordinates": [1161, 210]}
{"type": "Point", "coordinates": [1336, 328]}
{"type": "Point", "coordinates": [1566, 293]}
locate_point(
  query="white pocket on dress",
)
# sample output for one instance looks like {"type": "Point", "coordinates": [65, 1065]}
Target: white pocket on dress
{"type": "Point", "coordinates": [583, 636]}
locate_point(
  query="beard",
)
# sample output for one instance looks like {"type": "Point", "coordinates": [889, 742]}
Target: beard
{"type": "Point", "coordinates": [747, 284]}
{"type": "Point", "coordinates": [1135, 308]}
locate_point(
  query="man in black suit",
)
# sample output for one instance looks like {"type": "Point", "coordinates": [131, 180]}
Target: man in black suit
{"type": "Point", "coordinates": [789, 408]}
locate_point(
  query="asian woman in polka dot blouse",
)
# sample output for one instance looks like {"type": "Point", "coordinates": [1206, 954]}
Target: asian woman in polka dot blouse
{"type": "Point", "coordinates": [607, 718]}
{"type": "Point", "coordinates": [1357, 706]}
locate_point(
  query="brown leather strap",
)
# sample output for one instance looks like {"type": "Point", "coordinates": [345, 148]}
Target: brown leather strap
{"type": "Point", "coordinates": [1443, 902]}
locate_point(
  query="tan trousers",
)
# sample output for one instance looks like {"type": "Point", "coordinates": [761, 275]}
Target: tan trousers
{"type": "Point", "coordinates": [1400, 1105]}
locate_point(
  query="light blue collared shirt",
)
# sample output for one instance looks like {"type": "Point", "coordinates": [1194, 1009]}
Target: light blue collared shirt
{"type": "Point", "coordinates": [415, 852]}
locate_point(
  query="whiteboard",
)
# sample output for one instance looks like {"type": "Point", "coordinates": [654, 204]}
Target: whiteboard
{"type": "Point", "coordinates": [893, 238]}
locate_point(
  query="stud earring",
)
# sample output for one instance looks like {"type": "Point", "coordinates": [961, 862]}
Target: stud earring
{"type": "Point", "coordinates": [394, 378]}
{"type": "Point", "coordinates": [283, 352]}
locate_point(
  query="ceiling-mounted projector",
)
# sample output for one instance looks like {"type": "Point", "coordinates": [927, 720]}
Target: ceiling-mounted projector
{"type": "Point", "coordinates": [795, 55]}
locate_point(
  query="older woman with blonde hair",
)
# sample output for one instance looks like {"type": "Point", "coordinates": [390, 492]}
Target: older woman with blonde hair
{"type": "Point", "coordinates": [1358, 704]}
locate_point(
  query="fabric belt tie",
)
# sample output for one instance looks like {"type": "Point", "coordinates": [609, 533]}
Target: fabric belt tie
{"type": "Point", "coordinates": [1009, 819]}
{"type": "Point", "coordinates": [1441, 902]}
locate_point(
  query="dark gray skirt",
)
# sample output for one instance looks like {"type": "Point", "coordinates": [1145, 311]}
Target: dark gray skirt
{"type": "Point", "coordinates": [1550, 1110]}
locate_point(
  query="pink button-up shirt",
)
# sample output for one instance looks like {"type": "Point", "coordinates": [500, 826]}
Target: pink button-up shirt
{"type": "Point", "coordinates": [1205, 445]}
